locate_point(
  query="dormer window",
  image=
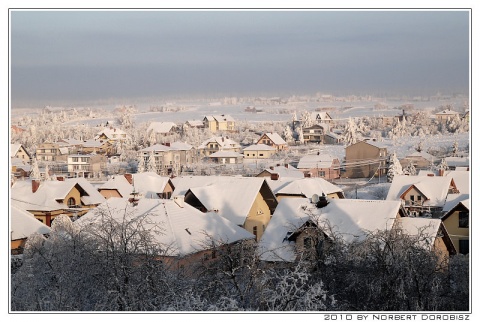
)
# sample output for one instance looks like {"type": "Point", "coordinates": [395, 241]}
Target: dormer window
{"type": "Point", "coordinates": [71, 202]}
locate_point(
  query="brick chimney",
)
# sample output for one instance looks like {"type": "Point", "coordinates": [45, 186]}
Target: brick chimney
{"type": "Point", "coordinates": [35, 185]}
{"type": "Point", "coordinates": [60, 179]}
{"type": "Point", "coordinates": [430, 175]}
{"type": "Point", "coordinates": [271, 167]}
{"type": "Point", "coordinates": [307, 175]}
{"type": "Point", "coordinates": [167, 143]}
{"type": "Point", "coordinates": [286, 165]}
{"type": "Point", "coordinates": [274, 176]}
{"type": "Point", "coordinates": [441, 172]}
{"type": "Point", "coordinates": [129, 177]}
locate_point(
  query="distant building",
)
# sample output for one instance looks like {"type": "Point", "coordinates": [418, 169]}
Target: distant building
{"type": "Point", "coordinates": [273, 140]}
{"type": "Point", "coordinates": [365, 159]}
{"type": "Point", "coordinates": [219, 123]}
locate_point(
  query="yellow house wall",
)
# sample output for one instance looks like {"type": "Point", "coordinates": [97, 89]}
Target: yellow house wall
{"type": "Point", "coordinates": [255, 219]}
{"type": "Point", "coordinates": [456, 233]}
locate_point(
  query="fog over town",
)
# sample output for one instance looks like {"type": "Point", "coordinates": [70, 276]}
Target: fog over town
{"type": "Point", "coordinates": [240, 160]}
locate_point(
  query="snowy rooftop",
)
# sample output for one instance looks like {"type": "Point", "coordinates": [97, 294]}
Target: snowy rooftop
{"type": "Point", "coordinates": [259, 147]}
{"type": "Point", "coordinates": [276, 138]}
{"type": "Point", "coordinates": [225, 154]}
{"type": "Point", "coordinates": [161, 127]}
{"type": "Point", "coordinates": [181, 146]}
{"type": "Point", "coordinates": [284, 172]}
{"type": "Point", "coordinates": [435, 188]}
{"type": "Point", "coordinates": [424, 227]}
{"type": "Point", "coordinates": [349, 219]}
{"type": "Point", "coordinates": [109, 132]}
{"type": "Point", "coordinates": [119, 183]}
{"type": "Point", "coordinates": [14, 149]}
{"type": "Point", "coordinates": [223, 142]}
{"type": "Point", "coordinates": [183, 183]}
{"type": "Point", "coordinates": [231, 201]}
{"type": "Point", "coordinates": [302, 186]}
{"type": "Point", "coordinates": [457, 161]}
{"type": "Point", "coordinates": [421, 154]}
{"type": "Point", "coordinates": [181, 230]}
{"type": "Point", "coordinates": [24, 224]}
{"type": "Point", "coordinates": [315, 161]}
{"type": "Point", "coordinates": [51, 193]}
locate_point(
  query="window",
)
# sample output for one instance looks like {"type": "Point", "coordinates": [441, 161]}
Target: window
{"type": "Point", "coordinates": [412, 198]}
{"type": "Point", "coordinates": [307, 242]}
{"type": "Point", "coordinates": [463, 246]}
{"type": "Point", "coordinates": [255, 232]}
{"type": "Point", "coordinates": [419, 198]}
{"type": "Point", "coordinates": [71, 202]}
{"type": "Point", "coordinates": [463, 219]}
{"type": "Point", "coordinates": [261, 154]}
{"type": "Point", "coordinates": [321, 173]}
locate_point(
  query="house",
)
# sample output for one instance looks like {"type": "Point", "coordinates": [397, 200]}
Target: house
{"type": "Point", "coordinates": [457, 223]}
{"type": "Point", "coordinates": [162, 131]}
{"type": "Point", "coordinates": [103, 147]}
{"type": "Point", "coordinates": [19, 152]}
{"type": "Point", "coordinates": [51, 151]}
{"type": "Point", "coordinates": [219, 123]}
{"type": "Point", "coordinates": [421, 160]}
{"type": "Point", "coordinates": [217, 143]}
{"type": "Point", "coordinates": [226, 157]}
{"type": "Point", "coordinates": [112, 134]}
{"type": "Point", "coordinates": [195, 124]}
{"type": "Point", "coordinates": [458, 162]}
{"type": "Point", "coordinates": [170, 158]}
{"type": "Point", "coordinates": [246, 202]}
{"type": "Point", "coordinates": [259, 151]}
{"type": "Point", "coordinates": [293, 232]}
{"type": "Point", "coordinates": [273, 140]}
{"type": "Point", "coordinates": [462, 183]}
{"type": "Point", "coordinates": [446, 115]}
{"type": "Point", "coordinates": [422, 195]}
{"type": "Point", "coordinates": [85, 165]}
{"type": "Point", "coordinates": [22, 225]}
{"type": "Point", "coordinates": [50, 198]}
{"type": "Point", "coordinates": [20, 168]}
{"type": "Point", "coordinates": [146, 185]}
{"type": "Point", "coordinates": [282, 171]}
{"type": "Point", "coordinates": [315, 133]}
{"type": "Point", "coordinates": [185, 235]}
{"type": "Point", "coordinates": [321, 117]}
{"type": "Point", "coordinates": [365, 159]}
{"type": "Point", "coordinates": [303, 188]}
{"type": "Point", "coordinates": [332, 138]}
{"type": "Point", "coordinates": [319, 165]}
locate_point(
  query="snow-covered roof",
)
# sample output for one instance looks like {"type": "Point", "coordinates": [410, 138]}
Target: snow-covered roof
{"type": "Point", "coordinates": [315, 161]}
{"type": "Point", "coordinates": [20, 163]}
{"type": "Point", "coordinates": [24, 224]}
{"type": "Point", "coordinates": [259, 147]}
{"type": "Point", "coordinates": [195, 123]}
{"type": "Point", "coordinates": [421, 154]}
{"type": "Point", "coordinates": [156, 148]}
{"type": "Point", "coordinates": [320, 116]}
{"type": "Point", "coordinates": [110, 133]}
{"type": "Point", "coordinates": [376, 143]}
{"type": "Point", "coordinates": [182, 230]}
{"type": "Point", "coordinates": [50, 194]}
{"type": "Point", "coordinates": [453, 200]}
{"type": "Point", "coordinates": [461, 179]}
{"type": "Point", "coordinates": [275, 138]}
{"type": "Point", "coordinates": [183, 183]}
{"type": "Point", "coordinates": [223, 118]}
{"type": "Point", "coordinates": [282, 171]}
{"type": "Point", "coordinates": [457, 161]}
{"type": "Point", "coordinates": [427, 228]}
{"type": "Point", "coordinates": [223, 142]}
{"type": "Point", "coordinates": [304, 186]}
{"type": "Point", "coordinates": [435, 189]}
{"type": "Point", "coordinates": [149, 184]}
{"type": "Point", "coordinates": [181, 146]}
{"type": "Point", "coordinates": [231, 201]}
{"type": "Point", "coordinates": [447, 112]}
{"type": "Point", "coordinates": [225, 154]}
{"type": "Point", "coordinates": [161, 127]}
{"type": "Point", "coordinates": [119, 183]}
{"type": "Point", "coordinates": [14, 149]}
{"type": "Point", "coordinates": [349, 219]}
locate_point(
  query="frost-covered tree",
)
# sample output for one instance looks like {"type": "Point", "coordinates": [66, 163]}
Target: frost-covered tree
{"type": "Point", "coordinates": [307, 119]}
{"type": "Point", "coordinates": [442, 166]}
{"type": "Point", "coordinates": [394, 167]}
{"type": "Point", "coordinates": [151, 166]}
{"type": "Point", "coordinates": [141, 164]}
{"type": "Point", "coordinates": [47, 173]}
{"type": "Point", "coordinates": [410, 169]}
{"type": "Point", "coordinates": [350, 133]}
{"type": "Point", "coordinates": [455, 149]}
{"type": "Point", "coordinates": [300, 137]}
{"type": "Point", "coordinates": [35, 172]}
{"type": "Point", "coordinates": [288, 134]}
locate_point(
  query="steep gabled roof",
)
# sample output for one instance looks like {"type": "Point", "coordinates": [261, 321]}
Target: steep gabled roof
{"type": "Point", "coordinates": [223, 142]}
{"type": "Point", "coordinates": [259, 147]}
{"type": "Point", "coordinates": [119, 183]}
{"type": "Point", "coordinates": [349, 219]}
{"type": "Point", "coordinates": [463, 204]}
{"type": "Point", "coordinates": [284, 172]}
{"type": "Point", "coordinates": [231, 201]}
{"type": "Point", "coordinates": [433, 188]}
{"type": "Point", "coordinates": [24, 224]}
{"type": "Point", "coordinates": [275, 138]}
{"type": "Point", "coordinates": [427, 228]}
{"type": "Point", "coordinates": [182, 230]}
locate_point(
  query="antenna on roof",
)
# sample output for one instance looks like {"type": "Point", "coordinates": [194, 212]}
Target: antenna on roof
{"type": "Point", "coordinates": [315, 198]}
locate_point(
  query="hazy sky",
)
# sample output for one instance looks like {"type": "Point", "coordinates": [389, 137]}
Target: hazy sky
{"type": "Point", "coordinates": [90, 55]}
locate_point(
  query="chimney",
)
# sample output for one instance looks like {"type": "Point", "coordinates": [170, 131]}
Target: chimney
{"type": "Point", "coordinates": [129, 177]}
{"type": "Point", "coordinates": [322, 201]}
{"type": "Point", "coordinates": [167, 143]}
{"type": "Point", "coordinates": [286, 165]}
{"type": "Point", "coordinates": [441, 172]}
{"type": "Point", "coordinates": [60, 178]}
{"type": "Point", "coordinates": [271, 167]}
{"type": "Point", "coordinates": [35, 185]}
{"type": "Point", "coordinates": [307, 175]}
{"type": "Point", "coordinates": [274, 176]}
{"type": "Point", "coordinates": [179, 200]}
{"type": "Point", "coordinates": [430, 175]}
